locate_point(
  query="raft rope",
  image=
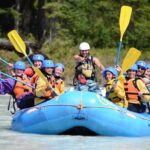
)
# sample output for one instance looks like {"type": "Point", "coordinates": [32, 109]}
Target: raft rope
{"type": "Point", "coordinates": [77, 106]}
{"type": "Point", "coordinates": [80, 106]}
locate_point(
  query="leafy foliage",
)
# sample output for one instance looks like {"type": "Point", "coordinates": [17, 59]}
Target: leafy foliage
{"type": "Point", "coordinates": [87, 20]}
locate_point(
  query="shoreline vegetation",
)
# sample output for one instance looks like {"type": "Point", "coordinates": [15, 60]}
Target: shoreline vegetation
{"type": "Point", "coordinates": [107, 56]}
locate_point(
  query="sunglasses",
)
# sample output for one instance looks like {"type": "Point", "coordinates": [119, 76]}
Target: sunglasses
{"type": "Point", "coordinates": [85, 51]}
{"type": "Point", "coordinates": [140, 67]}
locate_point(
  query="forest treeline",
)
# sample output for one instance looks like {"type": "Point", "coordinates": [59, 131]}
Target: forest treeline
{"type": "Point", "coordinates": [73, 21]}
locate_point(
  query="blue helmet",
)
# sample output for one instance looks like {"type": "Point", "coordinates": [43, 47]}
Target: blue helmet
{"type": "Point", "coordinates": [110, 69]}
{"type": "Point", "coordinates": [141, 63]}
{"type": "Point", "coordinates": [134, 67]}
{"type": "Point", "coordinates": [148, 66]}
{"type": "Point", "coordinates": [48, 64]}
{"type": "Point", "coordinates": [60, 65]}
{"type": "Point", "coordinates": [38, 57]}
{"type": "Point", "coordinates": [20, 65]}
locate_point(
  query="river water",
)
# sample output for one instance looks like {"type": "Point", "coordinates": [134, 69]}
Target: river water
{"type": "Point", "coordinates": [10, 140]}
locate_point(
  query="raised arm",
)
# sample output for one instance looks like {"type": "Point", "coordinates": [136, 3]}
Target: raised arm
{"type": "Point", "coordinates": [98, 63]}
{"type": "Point", "coordinates": [78, 58]}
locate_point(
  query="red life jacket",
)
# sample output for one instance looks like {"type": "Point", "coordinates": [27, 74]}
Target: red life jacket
{"type": "Point", "coordinates": [29, 72]}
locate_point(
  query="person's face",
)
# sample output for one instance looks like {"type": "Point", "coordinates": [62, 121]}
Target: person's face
{"type": "Point", "coordinates": [141, 70]}
{"type": "Point", "coordinates": [131, 74]}
{"type": "Point", "coordinates": [108, 76]}
{"type": "Point", "coordinates": [49, 70]}
{"type": "Point", "coordinates": [38, 64]}
{"type": "Point", "coordinates": [84, 53]}
{"type": "Point", "coordinates": [58, 71]}
{"type": "Point", "coordinates": [147, 73]}
{"type": "Point", "coordinates": [19, 72]}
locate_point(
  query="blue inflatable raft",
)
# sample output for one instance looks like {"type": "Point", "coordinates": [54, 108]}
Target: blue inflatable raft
{"type": "Point", "coordinates": [78, 112]}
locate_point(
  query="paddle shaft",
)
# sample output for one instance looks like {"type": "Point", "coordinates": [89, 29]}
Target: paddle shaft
{"type": "Point", "coordinates": [4, 61]}
{"type": "Point", "coordinates": [16, 79]}
{"type": "Point", "coordinates": [2, 80]}
{"type": "Point", "coordinates": [29, 61]}
{"type": "Point", "coordinates": [118, 54]}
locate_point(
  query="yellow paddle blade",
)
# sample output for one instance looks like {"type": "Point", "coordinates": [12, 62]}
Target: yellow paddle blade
{"type": "Point", "coordinates": [130, 59]}
{"type": "Point", "coordinates": [125, 16]}
{"type": "Point", "coordinates": [17, 42]}
{"type": "Point", "coordinates": [40, 74]}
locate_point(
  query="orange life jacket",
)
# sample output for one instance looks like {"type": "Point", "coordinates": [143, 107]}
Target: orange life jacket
{"type": "Point", "coordinates": [59, 85]}
{"type": "Point", "coordinates": [34, 78]}
{"type": "Point", "coordinates": [20, 89]}
{"type": "Point", "coordinates": [52, 81]}
{"type": "Point", "coordinates": [130, 87]}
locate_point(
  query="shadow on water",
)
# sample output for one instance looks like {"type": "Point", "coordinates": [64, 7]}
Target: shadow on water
{"type": "Point", "coordinates": [79, 131]}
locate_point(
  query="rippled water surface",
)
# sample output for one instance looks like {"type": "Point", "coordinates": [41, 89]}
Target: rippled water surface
{"type": "Point", "coordinates": [10, 140]}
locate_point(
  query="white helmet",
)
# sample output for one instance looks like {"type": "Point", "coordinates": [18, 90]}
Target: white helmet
{"type": "Point", "coordinates": [84, 46]}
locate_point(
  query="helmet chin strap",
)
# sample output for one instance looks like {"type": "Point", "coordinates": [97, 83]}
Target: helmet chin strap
{"type": "Point", "coordinates": [57, 75]}
{"type": "Point", "coordinates": [19, 75]}
{"type": "Point", "coordinates": [48, 74]}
